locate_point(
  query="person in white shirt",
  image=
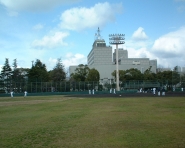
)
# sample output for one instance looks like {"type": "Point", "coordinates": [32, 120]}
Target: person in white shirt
{"type": "Point", "coordinates": [11, 93]}
{"type": "Point", "coordinates": [25, 93]}
{"type": "Point", "coordinates": [93, 91]}
{"type": "Point", "coordinates": [154, 90]}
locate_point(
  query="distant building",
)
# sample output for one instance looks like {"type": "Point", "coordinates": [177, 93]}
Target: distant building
{"type": "Point", "coordinates": [183, 69]}
{"type": "Point", "coordinates": [102, 59]}
{"type": "Point", "coordinates": [178, 69]}
{"type": "Point", "coordinates": [163, 69]}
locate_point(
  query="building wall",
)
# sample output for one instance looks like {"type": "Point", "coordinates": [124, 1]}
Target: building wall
{"type": "Point", "coordinates": [102, 59]}
{"type": "Point", "coordinates": [183, 69]}
{"type": "Point", "coordinates": [122, 54]}
{"type": "Point", "coordinates": [100, 54]}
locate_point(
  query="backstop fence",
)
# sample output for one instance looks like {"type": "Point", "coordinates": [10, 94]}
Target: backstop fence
{"type": "Point", "coordinates": [66, 86]}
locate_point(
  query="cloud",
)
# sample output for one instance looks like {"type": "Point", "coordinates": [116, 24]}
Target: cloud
{"type": "Point", "coordinates": [69, 59]}
{"type": "Point", "coordinates": [34, 5]}
{"type": "Point", "coordinates": [167, 49]}
{"type": "Point", "coordinates": [82, 18]}
{"type": "Point", "coordinates": [139, 34]}
{"type": "Point", "coordinates": [51, 41]}
{"type": "Point", "coordinates": [74, 59]}
{"type": "Point", "coordinates": [170, 45]}
{"type": "Point", "coordinates": [38, 27]}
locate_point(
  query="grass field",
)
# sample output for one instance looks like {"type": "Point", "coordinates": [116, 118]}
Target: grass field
{"type": "Point", "coordinates": [64, 122]}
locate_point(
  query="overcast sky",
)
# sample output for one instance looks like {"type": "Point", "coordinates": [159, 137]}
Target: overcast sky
{"type": "Point", "coordinates": [52, 29]}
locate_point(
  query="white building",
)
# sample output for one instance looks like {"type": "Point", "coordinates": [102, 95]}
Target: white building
{"type": "Point", "coordinates": [102, 59]}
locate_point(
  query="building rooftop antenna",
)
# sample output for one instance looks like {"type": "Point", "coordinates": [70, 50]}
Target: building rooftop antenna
{"type": "Point", "coordinates": [97, 35]}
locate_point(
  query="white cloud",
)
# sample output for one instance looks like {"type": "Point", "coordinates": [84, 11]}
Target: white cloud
{"type": "Point", "coordinates": [51, 63]}
{"type": "Point", "coordinates": [139, 34]}
{"type": "Point", "coordinates": [81, 18]}
{"type": "Point", "coordinates": [170, 45]}
{"type": "Point", "coordinates": [33, 5]}
{"type": "Point", "coordinates": [167, 49]}
{"type": "Point", "coordinates": [38, 27]}
{"type": "Point", "coordinates": [74, 59]}
{"type": "Point", "coordinates": [51, 41]}
{"type": "Point", "coordinates": [69, 59]}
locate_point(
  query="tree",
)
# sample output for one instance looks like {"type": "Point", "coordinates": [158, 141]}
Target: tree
{"type": "Point", "coordinates": [58, 74]}
{"type": "Point", "coordinates": [81, 73]}
{"type": "Point", "coordinates": [38, 72]}
{"type": "Point", "coordinates": [148, 75]}
{"type": "Point", "coordinates": [175, 76]}
{"type": "Point", "coordinates": [15, 72]}
{"type": "Point", "coordinates": [183, 81]}
{"type": "Point", "coordinates": [93, 75]}
{"type": "Point", "coordinates": [164, 76]}
{"type": "Point", "coordinates": [6, 72]}
{"type": "Point", "coordinates": [129, 74]}
{"type": "Point", "coordinates": [6, 75]}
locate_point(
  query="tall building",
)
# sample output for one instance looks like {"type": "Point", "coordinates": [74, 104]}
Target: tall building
{"type": "Point", "coordinates": [102, 59]}
{"type": "Point", "coordinates": [100, 54]}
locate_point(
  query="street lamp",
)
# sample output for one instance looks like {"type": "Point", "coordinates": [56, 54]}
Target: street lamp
{"type": "Point", "coordinates": [117, 39]}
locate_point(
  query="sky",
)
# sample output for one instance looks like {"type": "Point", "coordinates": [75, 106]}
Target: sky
{"type": "Point", "coordinates": [51, 29]}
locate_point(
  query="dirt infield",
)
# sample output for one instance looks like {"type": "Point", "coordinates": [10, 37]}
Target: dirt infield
{"type": "Point", "coordinates": [167, 94]}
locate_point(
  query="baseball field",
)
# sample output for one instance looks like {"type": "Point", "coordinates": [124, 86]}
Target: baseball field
{"type": "Point", "coordinates": [92, 122]}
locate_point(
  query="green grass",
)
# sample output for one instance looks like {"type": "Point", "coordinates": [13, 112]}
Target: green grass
{"type": "Point", "coordinates": [58, 121]}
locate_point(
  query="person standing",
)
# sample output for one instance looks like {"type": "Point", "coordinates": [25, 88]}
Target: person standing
{"type": "Point", "coordinates": [159, 91]}
{"type": "Point", "coordinates": [93, 91]}
{"type": "Point", "coordinates": [11, 93]}
{"type": "Point", "coordinates": [110, 90]}
{"type": "Point", "coordinates": [114, 91]}
{"type": "Point", "coordinates": [154, 89]}
{"type": "Point", "coordinates": [25, 93]}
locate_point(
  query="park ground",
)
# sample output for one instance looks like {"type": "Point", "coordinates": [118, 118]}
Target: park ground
{"type": "Point", "coordinates": [109, 120]}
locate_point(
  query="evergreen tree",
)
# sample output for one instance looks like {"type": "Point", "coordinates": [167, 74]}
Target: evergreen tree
{"type": "Point", "coordinates": [38, 72]}
{"type": "Point", "coordinates": [58, 73]}
{"type": "Point", "coordinates": [6, 71]}
{"type": "Point", "coordinates": [6, 76]}
{"type": "Point", "coordinates": [15, 72]}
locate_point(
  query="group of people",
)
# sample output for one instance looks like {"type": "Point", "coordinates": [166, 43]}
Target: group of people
{"type": "Point", "coordinates": [25, 93]}
{"type": "Point", "coordinates": [154, 90]}
{"type": "Point", "coordinates": [91, 92]}
{"type": "Point", "coordinates": [112, 91]}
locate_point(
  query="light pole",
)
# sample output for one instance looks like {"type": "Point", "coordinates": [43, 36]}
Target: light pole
{"type": "Point", "coordinates": [117, 39]}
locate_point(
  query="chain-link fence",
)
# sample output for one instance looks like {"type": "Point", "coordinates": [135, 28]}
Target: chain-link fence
{"type": "Point", "coordinates": [38, 87]}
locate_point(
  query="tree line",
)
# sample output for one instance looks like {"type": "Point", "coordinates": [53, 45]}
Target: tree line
{"type": "Point", "coordinates": [38, 73]}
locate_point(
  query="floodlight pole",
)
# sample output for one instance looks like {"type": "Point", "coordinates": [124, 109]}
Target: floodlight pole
{"type": "Point", "coordinates": [116, 39]}
{"type": "Point", "coordinates": [117, 69]}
